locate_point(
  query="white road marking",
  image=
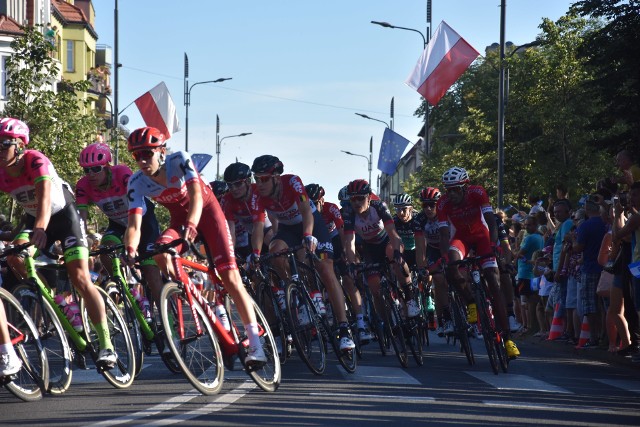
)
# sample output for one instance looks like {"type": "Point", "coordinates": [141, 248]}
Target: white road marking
{"type": "Point", "coordinates": [376, 396]}
{"type": "Point", "coordinates": [550, 407]}
{"type": "Point", "coordinates": [628, 385]}
{"type": "Point", "coordinates": [517, 382]}
{"type": "Point", "coordinates": [379, 375]}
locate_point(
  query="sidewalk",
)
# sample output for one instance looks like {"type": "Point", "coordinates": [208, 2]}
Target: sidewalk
{"type": "Point", "coordinates": [563, 347]}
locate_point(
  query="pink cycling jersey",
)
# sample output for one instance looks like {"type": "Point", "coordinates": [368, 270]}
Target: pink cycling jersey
{"type": "Point", "coordinates": [37, 167]}
{"type": "Point", "coordinates": [175, 197]}
{"type": "Point", "coordinates": [287, 208]}
{"type": "Point", "coordinates": [112, 200]}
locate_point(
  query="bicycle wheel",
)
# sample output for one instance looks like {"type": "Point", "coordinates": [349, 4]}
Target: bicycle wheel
{"type": "Point", "coordinates": [267, 376]}
{"type": "Point", "coordinates": [462, 331]}
{"type": "Point", "coordinates": [32, 380]}
{"type": "Point", "coordinates": [133, 326]}
{"type": "Point", "coordinates": [198, 354]}
{"type": "Point", "coordinates": [305, 328]}
{"type": "Point", "coordinates": [502, 352]}
{"type": "Point", "coordinates": [375, 321]}
{"type": "Point", "coordinates": [393, 327]}
{"type": "Point", "coordinates": [123, 373]}
{"type": "Point", "coordinates": [51, 334]}
{"type": "Point", "coordinates": [488, 332]}
{"type": "Point", "coordinates": [414, 335]}
{"type": "Point", "coordinates": [269, 306]}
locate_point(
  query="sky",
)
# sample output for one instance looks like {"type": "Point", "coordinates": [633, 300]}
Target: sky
{"type": "Point", "coordinates": [300, 71]}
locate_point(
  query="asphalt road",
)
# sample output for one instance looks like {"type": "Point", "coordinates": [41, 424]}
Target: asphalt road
{"type": "Point", "coordinates": [551, 384]}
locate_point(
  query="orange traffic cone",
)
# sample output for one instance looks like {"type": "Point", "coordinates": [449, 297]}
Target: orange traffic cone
{"type": "Point", "coordinates": [585, 335]}
{"type": "Point", "coordinates": [557, 325]}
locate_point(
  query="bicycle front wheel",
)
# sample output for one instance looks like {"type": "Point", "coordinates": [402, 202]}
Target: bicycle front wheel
{"type": "Point", "coordinates": [197, 353]}
{"type": "Point", "coordinates": [33, 379]}
{"type": "Point", "coordinates": [488, 333]}
{"type": "Point", "coordinates": [51, 334]}
{"type": "Point", "coordinates": [462, 329]}
{"type": "Point", "coordinates": [123, 373]}
{"type": "Point", "coordinates": [393, 328]}
{"type": "Point", "coordinates": [305, 328]}
{"type": "Point", "coordinates": [269, 306]}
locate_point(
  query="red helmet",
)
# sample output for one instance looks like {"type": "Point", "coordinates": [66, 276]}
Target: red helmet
{"type": "Point", "coordinates": [14, 128]}
{"type": "Point", "coordinates": [96, 154]}
{"type": "Point", "coordinates": [145, 138]}
{"type": "Point", "coordinates": [430, 194]}
{"type": "Point", "coordinates": [358, 187]}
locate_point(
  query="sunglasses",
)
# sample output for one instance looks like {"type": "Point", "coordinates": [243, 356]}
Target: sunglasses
{"type": "Point", "coordinates": [262, 178]}
{"type": "Point", "coordinates": [236, 184]}
{"type": "Point", "coordinates": [143, 155]}
{"type": "Point", "coordinates": [429, 205]}
{"type": "Point", "coordinates": [357, 198]}
{"type": "Point", "coordinates": [4, 145]}
{"type": "Point", "coordinates": [93, 169]}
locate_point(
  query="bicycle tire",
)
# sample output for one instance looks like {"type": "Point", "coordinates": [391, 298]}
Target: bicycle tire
{"type": "Point", "coordinates": [199, 356]}
{"type": "Point", "coordinates": [393, 328]}
{"type": "Point", "coordinates": [414, 339]}
{"type": "Point", "coordinates": [131, 320]}
{"type": "Point", "coordinates": [502, 353]}
{"type": "Point", "coordinates": [51, 334]}
{"type": "Point", "coordinates": [123, 373]}
{"type": "Point", "coordinates": [461, 328]}
{"type": "Point", "coordinates": [32, 380]}
{"type": "Point", "coordinates": [306, 331]}
{"type": "Point", "coordinates": [269, 305]}
{"type": "Point", "coordinates": [488, 333]}
{"type": "Point", "coordinates": [269, 375]}
{"type": "Point", "coordinates": [375, 321]}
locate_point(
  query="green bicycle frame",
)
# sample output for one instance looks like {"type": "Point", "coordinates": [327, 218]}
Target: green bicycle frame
{"type": "Point", "coordinates": [117, 274]}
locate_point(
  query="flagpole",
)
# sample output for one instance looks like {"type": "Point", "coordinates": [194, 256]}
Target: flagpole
{"type": "Point", "coordinates": [501, 117]}
{"type": "Point", "coordinates": [117, 80]}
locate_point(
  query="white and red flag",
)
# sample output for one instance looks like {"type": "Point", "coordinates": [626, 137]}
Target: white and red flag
{"type": "Point", "coordinates": [445, 58]}
{"type": "Point", "coordinates": [158, 110]}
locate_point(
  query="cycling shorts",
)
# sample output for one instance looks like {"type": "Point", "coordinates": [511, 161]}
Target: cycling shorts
{"type": "Point", "coordinates": [480, 243]}
{"type": "Point", "coordinates": [292, 235]}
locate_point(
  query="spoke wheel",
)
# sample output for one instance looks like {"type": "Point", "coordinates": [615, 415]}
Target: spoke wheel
{"type": "Point", "coordinates": [269, 306]}
{"type": "Point", "coordinates": [393, 329]}
{"type": "Point", "coordinates": [462, 330]}
{"type": "Point", "coordinates": [199, 356]}
{"type": "Point", "coordinates": [305, 329]}
{"type": "Point", "coordinates": [133, 326]}
{"type": "Point", "coordinates": [488, 333]}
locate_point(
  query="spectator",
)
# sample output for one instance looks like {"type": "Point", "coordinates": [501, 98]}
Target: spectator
{"type": "Point", "coordinates": [558, 293]}
{"type": "Point", "coordinates": [587, 241]}
{"type": "Point", "coordinates": [629, 170]}
{"type": "Point", "coordinates": [531, 243]}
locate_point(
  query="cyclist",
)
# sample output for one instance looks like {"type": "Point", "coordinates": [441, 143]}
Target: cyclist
{"type": "Point", "coordinates": [220, 188]}
{"type": "Point", "coordinates": [333, 219]}
{"type": "Point", "coordinates": [505, 266]}
{"type": "Point", "coordinates": [51, 213]}
{"type": "Point", "coordinates": [371, 219]}
{"type": "Point", "coordinates": [106, 186]}
{"type": "Point", "coordinates": [403, 221]}
{"type": "Point", "coordinates": [428, 253]}
{"type": "Point", "coordinates": [172, 181]}
{"type": "Point", "coordinates": [284, 197]}
{"type": "Point", "coordinates": [10, 363]}
{"type": "Point", "coordinates": [466, 210]}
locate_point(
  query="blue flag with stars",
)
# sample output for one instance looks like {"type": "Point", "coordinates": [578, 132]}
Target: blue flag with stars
{"type": "Point", "coordinates": [391, 150]}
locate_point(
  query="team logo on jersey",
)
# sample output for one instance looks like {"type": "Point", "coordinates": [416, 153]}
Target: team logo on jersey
{"type": "Point", "coordinates": [36, 163]}
{"type": "Point", "coordinates": [325, 247]}
{"type": "Point", "coordinates": [186, 166]}
{"type": "Point", "coordinates": [296, 184]}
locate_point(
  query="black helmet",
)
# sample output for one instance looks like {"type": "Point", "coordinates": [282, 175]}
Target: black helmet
{"type": "Point", "coordinates": [267, 165]}
{"type": "Point", "coordinates": [237, 171]}
{"type": "Point", "coordinates": [219, 188]}
{"type": "Point", "coordinates": [314, 191]}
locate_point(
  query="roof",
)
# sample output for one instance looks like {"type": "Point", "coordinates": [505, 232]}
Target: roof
{"type": "Point", "coordinates": [9, 26]}
{"type": "Point", "coordinates": [70, 14]}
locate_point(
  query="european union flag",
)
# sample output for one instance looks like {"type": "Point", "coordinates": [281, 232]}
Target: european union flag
{"type": "Point", "coordinates": [391, 150]}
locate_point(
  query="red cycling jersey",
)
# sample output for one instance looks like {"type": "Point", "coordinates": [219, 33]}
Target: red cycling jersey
{"type": "Point", "coordinates": [332, 217]}
{"type": "Point", "coordinates": [287, 208]}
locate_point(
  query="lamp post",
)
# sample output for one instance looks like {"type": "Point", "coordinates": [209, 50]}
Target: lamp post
{"type": "Point", "coordinates": [369, 159]}
{"type": "Point", "coordinates": [187, 97]}
{"type": "Point", "coordinates": [219, 145]}
{"type": "Point", "coordinates": [364, 116]}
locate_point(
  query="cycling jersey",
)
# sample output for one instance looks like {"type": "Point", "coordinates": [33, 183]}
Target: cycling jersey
{"type": "Point", "coordinates": [369, 226]}
{"type": "Point", "coordinates": [406, 231]}
{"type": "Point", "coordinates": [427, 227]}
{"type": "Point", "coordinates": [22, 188]}
{"type": "Point", "coordinates": [332, 217]}
{"type": "Point", "coordinates": [175, 197]}
{"type": "Point", "coordinates": [112, 200]}
{"type": "Point", "coordinates": [287, 208]}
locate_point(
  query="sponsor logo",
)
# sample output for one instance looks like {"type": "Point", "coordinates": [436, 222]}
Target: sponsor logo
{"type": "Point", "coordinates": [71, 240]}
{"type": "Point", "coordinates": [296, 184]}
{"type": "Point", "coordinates": [36, 163]}
{"type": "Point", "coordinates": [25, 196]}
{"type": "Point", "coordinates": [114, 206]}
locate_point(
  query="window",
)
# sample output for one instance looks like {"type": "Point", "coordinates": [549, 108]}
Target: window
{"type": "Point", "coordinates": [3, 77]}
{"type": "Point", "coordinates": [70, 58]}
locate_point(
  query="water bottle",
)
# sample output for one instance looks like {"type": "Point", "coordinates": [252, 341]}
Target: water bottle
{"type": "Point", "coordinates": [430, 305]}
{"type": "Point", "coordinates": [279, 293]}
{"type": "Point", "coordinates": [318, 301]}
{"type": "Point", "coordinates": [71, 310]}
{"type": "Point", "coordinates": [221, 313]}
{"type": "Point", "coordinates": [143, 303]}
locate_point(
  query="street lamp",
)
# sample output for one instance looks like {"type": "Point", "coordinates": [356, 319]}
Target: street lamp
{"type": "Point", "coordinates": [369, 159]}
{"type": "Point", "coordinates": [219, 144]}
{"type": "Point", "coordinates": [187, 97]}
{"type": "Point", "coordinates": [364, 116]}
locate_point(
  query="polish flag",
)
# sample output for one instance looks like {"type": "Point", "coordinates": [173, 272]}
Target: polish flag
{"type": "Point", "coordinates": [444, 60]}
{"type": "Point", "coordinates": [158, 110]}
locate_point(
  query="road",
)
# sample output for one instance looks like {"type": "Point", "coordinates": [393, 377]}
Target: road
{"type": "Point", "coordinates": [550, 384]}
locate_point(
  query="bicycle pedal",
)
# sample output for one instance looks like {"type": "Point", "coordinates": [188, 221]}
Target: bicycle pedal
{"type": "Point", "coordinates": [254, 366]}
{"type": "Point", "coordinates": [80, 360]}
{"type": "Point", "coordinates": [104, 366]}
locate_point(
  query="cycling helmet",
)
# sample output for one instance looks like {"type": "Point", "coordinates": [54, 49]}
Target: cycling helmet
{"type": "Point", "coordinates": [219, 188]}
{"type": "Point", "coordinates": [15, 129]}
{"type": "Point", "coordinates": [145, 138]}
{"type": "Point", "coordinates": [236, 172]}
{"type": "Point", "coordinates": [343, 195]}
{"type": "Point", "coordinates": [402, 199]}
{"type": "Point", "coordinates": [430, 194]}
{"type": "Point", "coordinates": [267, 165]}
{"type": "Point", "coordinates": [358, 187]}
{"type": "Point", "coordinates": [314, 191]}
{"type": "Point", "coordinates": [96, 154]}
{"type": "Point", "coordinates": [455, 177]}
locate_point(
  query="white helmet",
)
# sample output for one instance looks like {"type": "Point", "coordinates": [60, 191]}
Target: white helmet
{"type": "Point", "coordinates": [402, 199]}
{"type": "Point", "coordinates": [455, 177]}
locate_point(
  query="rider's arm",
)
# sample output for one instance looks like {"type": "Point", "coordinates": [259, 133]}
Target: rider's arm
{"type": "Point", "coordinates": [195, 202]}
{"type": "Point", "coordinates": [43, 198]}
{"type": "Point", "coordinates": [445, 238]}
{"type": "Point", "coordinates": [350, 246]}
{"type": "Point", "coordinates": [421, 250]}
{"type": "Point", "coordinates": [132, 233]}
{"type": "Point", "coordinates": [489, 218]}
{"type": "Point", "coordinates": [84, 215]}
{"type": "Point", "coordinates": [307, 218]}
{"type": "Point", "coordinates": [257, 236]}
{"type": "Point", "coordinates": [395, 240]}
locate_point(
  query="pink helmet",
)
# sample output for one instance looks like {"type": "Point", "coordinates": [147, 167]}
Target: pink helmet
{"type": "Point", "coordinates": [96, 154]}
{"type": "Point", "coordinates": [14, 128]}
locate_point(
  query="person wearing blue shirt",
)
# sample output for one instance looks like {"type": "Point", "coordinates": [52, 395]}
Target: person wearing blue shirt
{"type": "Point", "coordinates": [532, 242]}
